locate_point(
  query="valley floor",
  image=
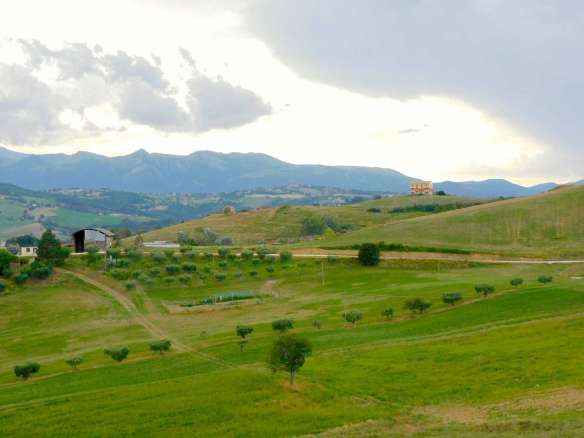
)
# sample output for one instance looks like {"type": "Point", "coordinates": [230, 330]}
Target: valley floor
{"type": "Point", "coordinates": [505, 365]}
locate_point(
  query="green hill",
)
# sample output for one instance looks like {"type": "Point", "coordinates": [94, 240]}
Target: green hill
{"type": "Point", "coordinates": [286, 224]}
{"type": "Point", "coordinates": [550, 225]}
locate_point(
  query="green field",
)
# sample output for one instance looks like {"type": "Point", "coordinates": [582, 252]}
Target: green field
{"type": "Point", "coordinates": [285, 224]}
{"type": "Point", "coordinates": [505, 365]}
{"type": "Point", "coordinates": [547, 225]}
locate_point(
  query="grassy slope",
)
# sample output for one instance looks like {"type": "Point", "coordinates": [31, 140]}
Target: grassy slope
{"type": "Point", "coordinates": [271, 224]}
{"type": "Point", "coordinates": [481, 353]}
{"type": "Point", "coordinates": [551, 224]}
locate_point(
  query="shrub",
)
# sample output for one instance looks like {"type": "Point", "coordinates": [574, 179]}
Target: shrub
{"type": "Point", "coordinates": [289, 353]}
{"type": "Point", "coordinates": [223, 252]}
{"type": "Point", "coordinates": [516, 282]}
{"type": "Point", "coordinates": [313, 226]}
{"type": "Point", "coordinates": [191, 255]}
{"type": "Point", "coordinates": [203, 277]}
{"type": "Point", "coordinates": [417, 305]}
{"type": "Point", "coordinates": [185, 279]}
{"type": "Point", "coordinates": [374, 210]}
{"type": "Point", "coordinates": [253, 273]}
{"type": "Point", "coordinates": [247, 254]}
{"type": "Point", "coordinates": [222, 264]}
{"type": "Point", "coordinates": [24, 371]}
{"type": "Point", "coordinates": [172, 269]}
{"type": "Point", "coordinates": [39, 270]}
{"type": "Point", "coordinates": [369, 254]}
{"type": "Point", "coordinates": [117, 354]}
{"type": "Point", "coordinates": [21, 278]}
{"type": "Point", "coordinates": [2, 286]}
{"type": "Point", "coordinates": [154, 272]}
{"type": "Point", "coordinates": [220, 276]}
{"type": "Point", "coordinates": [120, 274]}
{"type": "Point", "coordinates": [451, 298]}
{"type": "Point", "coordinates": [544, 279]}
{"type": "Point", "coordinates": [263, 252]}
{"type": "Point", "coordinates": [316, 324]}
{"type": "Point", "coordinates": [243, 331]}
{"type": "Point", "coordinates": [161, 346]}
{"type": "Point", "coordinates": [282, 325]}
{"type": "Point", "coordinates": [6, 258]}
{"type": "Point", "coordinates": [238, 274]}
{"type": "Point", "coordinates": [169, 254]}
{"type": "Point", "coordinates": [353, 317]}
{"type": "Point", "coordinates": [270, 269]}
{"type": "Point", "coordinates": [74, 362]}
{"type": "Point", "coordinates": [285, 256]}
{"type": "Point", "coordinates": [135, 255]}
{"type": "Point", "coordinates": [256, 262]}
{"type": "Point", "coordinates": [158, 257]}
{"type": "Point", "coordinates": [484, 289]}
{"type": "Point", "coordinates": [387, 313]}
{"type": "Point", "coordinates": [231, 257]}
{"type": "Point", "coordinates": [169, 280]}
{"type": "Point", "coordinates": [130, 285]}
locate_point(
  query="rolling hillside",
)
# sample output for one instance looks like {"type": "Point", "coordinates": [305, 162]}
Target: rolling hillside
{"type": "Point", "coordinates": [550, 225]}
{"type": "Point", "coordinates": [286, 224]}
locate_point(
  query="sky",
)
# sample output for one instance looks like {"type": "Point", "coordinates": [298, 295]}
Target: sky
{"type": "Point", "coordinates": [454, 90]}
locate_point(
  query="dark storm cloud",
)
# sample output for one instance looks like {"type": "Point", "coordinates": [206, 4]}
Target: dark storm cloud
{"type": "Point", "coordinates": [520, 61]}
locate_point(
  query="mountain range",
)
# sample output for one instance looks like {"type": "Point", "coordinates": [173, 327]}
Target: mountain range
{"type": "Point", "coordinates": [213, 172]}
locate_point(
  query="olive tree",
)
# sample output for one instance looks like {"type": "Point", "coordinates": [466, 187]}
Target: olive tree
{"type": "Point", "coordinates": [74, 362]}
{"type": "Point", "coordinates": [484, 289]}
{"type": "Point", "coordinates": [417, 305]}
{"type": "Point", "coordinates": [243, 331]}
{"type": "Point", "coordinates": [117, 354]}
{"type": "Point", "coordinates": [451, 298]}
{"type": "Point", "coordinates": [24, 371]}
{"type": "Point", "coordinates": [369, 254]}
{"type": "Point", "coordinates": [387, 313]}
{"type": "Point", "coordinates": [516, 282]}
{"type": "Point", "coordinates": [353, 317]}
{"type": "Point", "coordinates": [289, 353]}
{"type": "Point", "coordinates": [282, 325]}
{"type": "Point", "coordinates": [544, 279]}
{"type": "Point", "coordinates": [161, 346]}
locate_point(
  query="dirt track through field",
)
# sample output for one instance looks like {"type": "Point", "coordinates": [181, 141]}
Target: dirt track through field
{"type": "Point", "coordinates": [134, 314]}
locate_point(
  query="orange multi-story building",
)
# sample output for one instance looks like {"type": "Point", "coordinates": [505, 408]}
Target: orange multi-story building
{"type": "Point", "coordinates": [421, 188]}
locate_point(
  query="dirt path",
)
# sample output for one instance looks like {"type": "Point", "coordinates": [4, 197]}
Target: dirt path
{"type": "Point", "coordinates": [134, 315]}
{"type": "Point", "coordinates": [440, 257]}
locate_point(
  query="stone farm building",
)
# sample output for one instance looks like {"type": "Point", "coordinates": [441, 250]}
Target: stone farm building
{"type": "Point", "coordinates": [421, 188]}
{"type": "Point", "coordinates": [86, 237]}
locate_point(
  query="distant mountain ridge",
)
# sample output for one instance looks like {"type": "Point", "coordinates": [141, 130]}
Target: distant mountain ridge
{"type": "Point", "coordinates": [214, 172]}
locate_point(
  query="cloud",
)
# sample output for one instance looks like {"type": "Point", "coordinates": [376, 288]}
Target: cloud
{"type": "Point", "coordinates": [135, 87]}
{"type": "Point", "coordinates": [518, 61]}
{"type": "Point", "coordinates": [215, 103]}
{"type": "Point", "coordinates": [29, 110]}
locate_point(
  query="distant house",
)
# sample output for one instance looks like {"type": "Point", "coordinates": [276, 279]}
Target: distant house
{"type": "Point", "coordinates": [421, 188]}
{"type": "Point", "coordinates": [86, 237]}
{"type": "Point", "coordinates": [27, 251]}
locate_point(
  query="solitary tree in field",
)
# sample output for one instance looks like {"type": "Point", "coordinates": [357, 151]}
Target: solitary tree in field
{"type": "Point", "coordinates": [484, 289]}
{"type": "Point", "coordinates": [243, 331]}
{"type": "Point", "coordinates": [24, 371]}
{"type": "Point", "coordinates": [117, 354]}
{"type": "Point", "coordinates": [545, 279]}
{"type": "Point", "coordinates": [387, 313]}
{"type": "Point", "coordinates": [50, 250]}
{"type": "Point", "coordinates": [369, 254]}
{"type": "Point", "coordinates": [282, 325]}
{"type": "Point", "coordinates": [74, 362]}
{"type": "Point", "coordinates": [353, 317]}
{"type": "Point", "coordinates": [417, 305]}
{"type": "Point", "coordinates": [161, 346]}
{"type": "Point", "coordinates": [516, 282]}
{"type": "Point", "coordinates": [451, 298]}
{"type": "Point", "coordinates": [289, 353]}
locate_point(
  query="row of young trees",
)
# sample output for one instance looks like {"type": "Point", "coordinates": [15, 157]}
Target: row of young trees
{"type": "Point", "coordinates": [119, 354]}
